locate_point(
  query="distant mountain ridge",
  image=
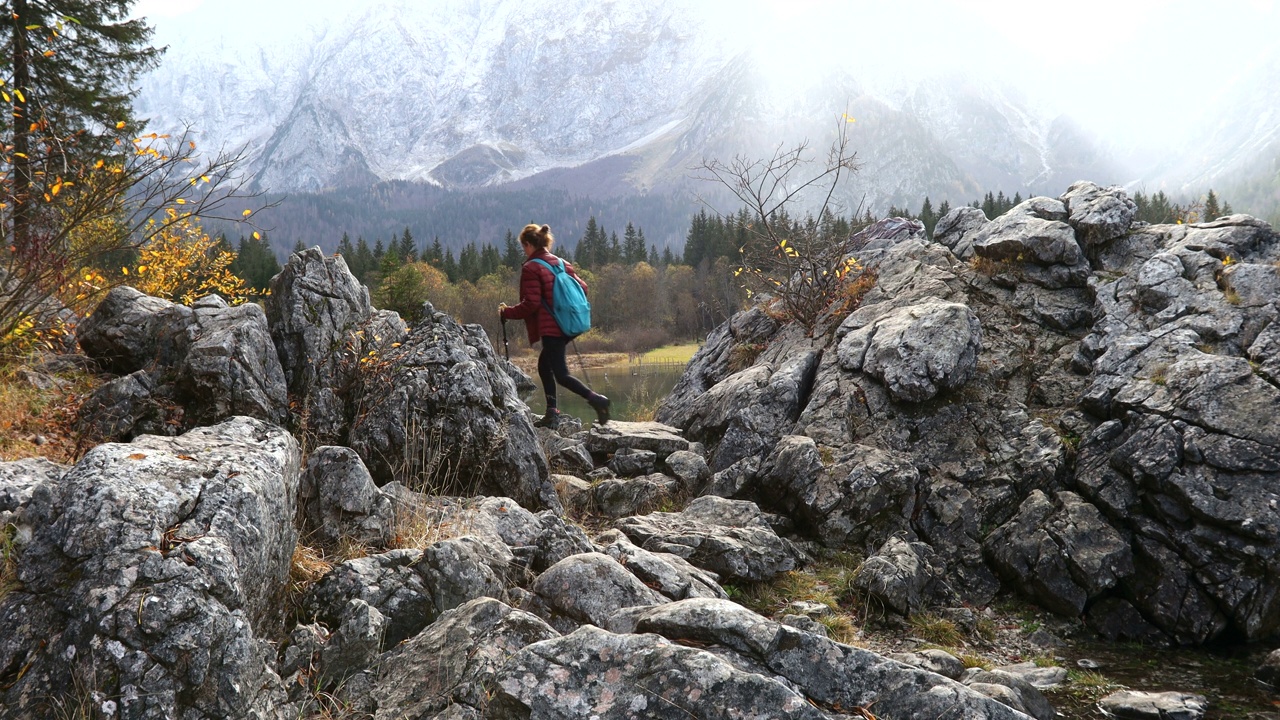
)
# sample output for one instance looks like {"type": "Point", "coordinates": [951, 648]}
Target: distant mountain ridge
{"type": "Point", "coordinates": [610, 98]}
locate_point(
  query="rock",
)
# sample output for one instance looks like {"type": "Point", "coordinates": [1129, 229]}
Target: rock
{"type": "Point", "coordinates": [1099, 215]}
{"type": "Point", "coordinates": [1269, 671]}
{"type": "Point", "coordinates": [230, 366]}
{"type": "Point", "coordinates": [1023, 695]}
{"type": "Point", "coordinates": [861, 497]}
{"type": "Point", "coordinates": [125, 407]}
{"type": "Point", "coordinates": [340, 500]}
{"type": "Point", "coordinates": [450, 666]}
{"type": "Point", "coordinates": [318, 313]}
{"type": "Point", "coordinates": [660, 439]}
{"type": "Point", "coordinates": [690, 468]}
{"type": "Point", "coordinates": [1136, 705]}
{"type": "Point", "coordinates": [411, 588]}
{"type": "Point", "coordinates": [736, 554]}
{"type": "Point", "coordinates": [566, 455]}
{"type": "Point", "coordinates": [847, 677]}
{"type": "Point", "coordinates": [19, 480]}
{"type": "Point", "coordinates": [212, 360]}
{"type": "Point", "coordinates": [628, 462]}
{"type": "Point", "coordinates": [1025, 237]}
{"type": "Point", "coordinates": [901, 577]}
{"type": "Point", "coordinates": [557, 540]}
{"type": "Point", "coordinates": [594, 673]}
{"type": "Point", "coordinates": [917, 351]}
{"type": "Point", "coordinates": [1062, 552]}
{"type": "Point", "coordinates": [669, 574]}
{"type": "Point", "coordinates": [441, 416]}
{"type": "Point", "coordinates": [1042, 678]}
{"type": "Point", "coordinates": [591, 587]}
{"type": "Point", "coordinates": [161, 565]}
{"type": "Point", "coordinates": [933, 660]}
{"type": "Point", "coordinates": [576, 494]}
{"type": "Point", "coordinates": [958, 228]}
{"type": "Point", "coordinates": [1118, 620]}
{"type": "Point", "coordinates": [615, 498]}
{"type": "Point", "coordinates": [130, 330]}
{"type": "Point", "coordinates": [354, 644]}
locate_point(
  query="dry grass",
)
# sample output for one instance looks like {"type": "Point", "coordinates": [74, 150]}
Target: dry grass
{"type": "Point", "coordinates": [420, 526]}
{"type": "Point", "coordinates": [939, 631]}
{"type": "Point", "coordinates": [8, 561]}
{"type": "Point", "coordinates": [1231, 296]}
{"type": "Point", "coordinates": [306, 569]}
{"type": "Point", "coordinates": [28, 413]}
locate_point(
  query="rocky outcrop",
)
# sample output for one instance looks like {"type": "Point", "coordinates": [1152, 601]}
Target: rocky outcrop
{"type": "Point", "coordinates": [324, 328]}
{"type": "Point", "coordinates": [184, 367]}
{"type": "Point", "coordinates": [153, 576]}
{"type": "Point", "coordinates": [339, 500]}
{"type": "Point", "coordinates": [1082, 412]}
{"type": "Point", "coordinates": [438, 414]}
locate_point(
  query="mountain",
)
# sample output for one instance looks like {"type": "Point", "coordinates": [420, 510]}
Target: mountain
{"type": "Point", "coordinates": [607, 99]}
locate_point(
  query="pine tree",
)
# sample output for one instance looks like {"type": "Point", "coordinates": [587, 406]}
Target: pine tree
{"type": "Point", "coordinates": [695, 243]}
{"type": "Point", "coordinates": [378, 252]}
{"type": "Point", "coordinates": [408, 248]}
{"type": "Point", "coordinates": [927, 217]}
{"type": "Point", "coordinates": [435, 255]}
{"type": "Point", "coordinates": [345, 250]}
{"type": "Point", "coordinates": [449, 266]}
{"type": "Point", "coordinates": [943, 209]}
{"type": "Point", "coordinates": [512, 255]}
{"type": "Point", "coordinates": [469, 263]}
{"type": "Point", "coordinates": [591, 249]}
{"type": "Point", "coordinates": [1212, 211]}
{"type": "Point", "coordinates": [364, 261]}
{"type": "Point", "coordinates": [1017, 199]}
{"type": "Point", "coordinates": [633, 250]}
{"type": "Point", "coordinates": [615, 250]}
{"type": "Point", "coordinates": [653, 256]}
{"type": "Point", "coordinates": [298, 246]}
{"type": "Point", "coordinates": [490, 260]}
{"type": "Point", "coordinates": [72, 66]}
{"type": "Point", "coordinates": [667, 258]}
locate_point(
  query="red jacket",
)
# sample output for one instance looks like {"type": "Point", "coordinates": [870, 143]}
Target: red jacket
{"type": "Point", "coordinates": [536, 284]}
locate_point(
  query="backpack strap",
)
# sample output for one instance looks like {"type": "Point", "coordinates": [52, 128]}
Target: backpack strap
{"type": "Point", "coordinates": [548, 266]}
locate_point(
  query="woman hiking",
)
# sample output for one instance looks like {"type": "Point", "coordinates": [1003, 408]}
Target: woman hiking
{"type": "Point", "coordinates": [536, 308]}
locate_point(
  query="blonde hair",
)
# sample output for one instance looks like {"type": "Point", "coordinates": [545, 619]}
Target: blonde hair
{"type": "Point", "coordinates": [538, 236]}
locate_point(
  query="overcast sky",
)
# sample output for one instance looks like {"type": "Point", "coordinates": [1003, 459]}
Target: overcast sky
{"type": "Point", "coordinates": [1138, 69]}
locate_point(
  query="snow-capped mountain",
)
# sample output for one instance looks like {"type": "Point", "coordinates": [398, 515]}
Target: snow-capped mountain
{"type": "Point", "coordinates": [473, 93]}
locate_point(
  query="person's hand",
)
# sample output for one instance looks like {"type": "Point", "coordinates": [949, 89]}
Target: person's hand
{"type": "Point", "coordinates": [501, 307]}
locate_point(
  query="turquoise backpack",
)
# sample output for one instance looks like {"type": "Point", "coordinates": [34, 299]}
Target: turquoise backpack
{"type": "Point", "coordinates": [570, 307]}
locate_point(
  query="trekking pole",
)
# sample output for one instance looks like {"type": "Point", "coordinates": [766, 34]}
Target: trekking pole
{"type": "Point", "coordinates": [506, 345]}
{"type": "Point", "coordinates": [581, 364]}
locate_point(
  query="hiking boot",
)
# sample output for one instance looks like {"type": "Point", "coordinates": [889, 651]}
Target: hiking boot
{"type": "Point", "coordinates": [550, 421]}
{"type": "Point", "coordinates": [600, 404]}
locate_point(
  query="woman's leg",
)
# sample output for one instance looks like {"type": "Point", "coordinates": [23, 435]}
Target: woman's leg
{"type": "Point", "coordinates": [547, 375]}
{"type": "Point", "coordinates": [553, 348]}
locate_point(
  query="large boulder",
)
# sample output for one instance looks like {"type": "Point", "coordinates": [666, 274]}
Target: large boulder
{"type": "Point", "coordinates": [735, 550]}
{"type": "Point", "coordinates": [154, 577]}
{"type": "Point", "coordinates": [958, 228]}
{"type": "Point", "coordinates": [211, 360]}
{"type": "Point", "coordinates": [591, 587]}
{"type": "Point", "coordinates": [323, 326]}
{"type": "Point", "coordinates": [439, 414]}
{"type": "Point", "coordinates": [1099, 215]}
{"type": "Point", "coordinates": [338, 499]}
{"type": "Point", "coordinates": [917, 351]}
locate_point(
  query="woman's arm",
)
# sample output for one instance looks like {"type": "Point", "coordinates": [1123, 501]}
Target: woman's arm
{"type": "Point", "coordinates": [530, 295]}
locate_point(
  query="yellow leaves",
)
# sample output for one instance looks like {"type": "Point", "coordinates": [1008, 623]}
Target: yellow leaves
{"type": "Point", "coordinates": [247, 213]}
{"type": "Point", "coordinates": [848, 118]}
{"type": "Point", "coordinates": [180, 201]}
{"type": "Point", "coordinates": [182, 263]}
{"type": "Point", "coordinates": [49, 53]}
{"type": "Point", "coordinates": [98, 165]}
{"type": "Point", "coordinates": [6, 97]}
{"type": "Point", "coordinates": [257, 235]}
{"type": "Point", "coordinates": [18, 94]}
{"type": "Point", "coordinates": [1229, 261]}
{"type": "Point", "coordinates": [120, 125]}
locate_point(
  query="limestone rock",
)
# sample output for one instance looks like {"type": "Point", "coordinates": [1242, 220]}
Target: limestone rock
{"type": "Point", "coordinates": [159, 564]}
{"type": "Point", "coordinates": [917, 351]}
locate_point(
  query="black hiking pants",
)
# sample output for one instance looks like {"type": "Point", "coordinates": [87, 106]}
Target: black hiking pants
{"type": "Point", "coordinates": [552, 369]}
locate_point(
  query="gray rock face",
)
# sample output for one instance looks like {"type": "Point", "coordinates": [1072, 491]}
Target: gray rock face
{"type": "Point", "coordinates": [751, 553]}
{"type": "Point", "coordinates": [619, 436]}
{"type": "Point", "coordinates": [591, 587]}
{"type": "Point", "coordinates": [18, 482]}
{"type": "Point", "coordinates": [1061, 552]}
{"type": "Point", "coordinates": [1099, 215]}
{"type": "Point", "coordinates": [445, 671]}
{"type": "Point", "coordinates": [318, 312]}
{"type": "Point", "coordinates": [441, 416]}
{"type": "Point", "coordinates": [917, 351]}
{"type": "Point", "coordinates": [958, 228]}
{"type": "Point", "coordinates": [339, 499]}
{"type": "Point", "coordinates": [411, 588]}
{"type": "Point", "coordinates": [847, 677]}
{"type": "Point", "coordinates": [614, 497]}
{"type": "Point", "coordinates": [594, 673]}
{"type": "Point", "coordinates": [211, 360]}
{"type": "Point", "coordinates": [154, 573]}
{"type": "Point", "coordinates": [669, 574]}
{"type": "Point", "coordinates": [859, 498]}
{"type": "Point", "coordinates": [902, 577]}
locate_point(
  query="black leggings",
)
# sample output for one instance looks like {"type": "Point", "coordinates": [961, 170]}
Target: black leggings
{"type": "Point", "coordinates": [553, 369]}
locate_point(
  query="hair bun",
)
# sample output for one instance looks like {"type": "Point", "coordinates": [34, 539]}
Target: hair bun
{"type": "Point", "coordinates": [545, 230]}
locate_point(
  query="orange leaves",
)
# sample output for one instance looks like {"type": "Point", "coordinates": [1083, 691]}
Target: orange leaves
{"type": "Point", "coordinates": [182, 263]}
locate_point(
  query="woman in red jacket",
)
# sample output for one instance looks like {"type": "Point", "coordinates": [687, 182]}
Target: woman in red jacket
{"type": "Point", "coordinates": [536, 301]}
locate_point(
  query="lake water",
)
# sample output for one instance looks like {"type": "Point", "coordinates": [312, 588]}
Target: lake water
{"type": "Point", "coordinates": [634, 392]}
